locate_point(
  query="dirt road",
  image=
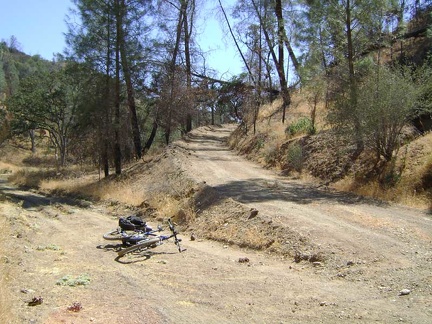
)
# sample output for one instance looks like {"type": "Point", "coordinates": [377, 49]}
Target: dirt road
{"type": "Point", "coordinates": [377, 251]}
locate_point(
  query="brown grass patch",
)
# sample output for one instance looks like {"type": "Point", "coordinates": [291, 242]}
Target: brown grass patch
{"type": "Point", "coordinates": [89, 187]}
{"type": "Point", "coordinates": [7, 168]}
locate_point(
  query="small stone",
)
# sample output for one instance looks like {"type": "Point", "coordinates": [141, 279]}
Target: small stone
{"type": "Point", "coordinates": [35, 301]}
{"type": "Point", "coordinates": [323, 303]}
{"type": "Point", "coordinates": [253, 213]}
{"type": "Point", "coordinates": [404, 292]}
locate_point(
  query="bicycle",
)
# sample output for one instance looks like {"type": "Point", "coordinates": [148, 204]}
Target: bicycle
{"type": "Point", "coordinates": [143, 241]}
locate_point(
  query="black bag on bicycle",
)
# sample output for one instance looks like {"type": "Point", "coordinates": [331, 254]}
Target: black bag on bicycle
{"type": "Point", "coordinates": [131, 223]}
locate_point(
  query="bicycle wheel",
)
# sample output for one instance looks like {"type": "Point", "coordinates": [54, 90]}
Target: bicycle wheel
{"type": "Point", "coordinates": [141, 245]}
{"type": "Point", "coordinates": [115, 235]}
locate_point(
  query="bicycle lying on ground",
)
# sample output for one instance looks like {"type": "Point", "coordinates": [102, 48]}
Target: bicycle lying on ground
{"type": "Point", "coordinates": [130, 226]}
{"type": "Point", "coordinates": [142, 237]}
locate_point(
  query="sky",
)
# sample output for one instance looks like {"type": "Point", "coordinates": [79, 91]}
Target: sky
{"type": "Point", "coordinates": [39, 27]}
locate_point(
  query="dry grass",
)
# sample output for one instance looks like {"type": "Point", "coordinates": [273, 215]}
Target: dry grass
{"type": "Point", "coordinates": [90, 187]}
{"type": "Point", "coordinates": [6, 168]}
{"type": "Point", "coordinates": [402, 194]}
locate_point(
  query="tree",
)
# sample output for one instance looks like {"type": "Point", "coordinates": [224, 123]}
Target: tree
{"type": "Point", "coordinates": [176, 21]}
{"type": "Point", "coordinates": [341, 33]}
{"type": "Point", "coordinates": [111, 39]}
{"type": "Point", "coordinates": [46, 100]}
{"type": "Point", "coordinates": [387, 101]}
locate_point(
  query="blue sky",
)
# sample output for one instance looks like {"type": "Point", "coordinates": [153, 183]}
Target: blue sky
{"type": "Point", "coordinates": [39, 26]}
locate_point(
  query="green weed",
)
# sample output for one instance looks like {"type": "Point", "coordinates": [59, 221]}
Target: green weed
{"type": "Point", "coordinates": [69, 280]}
{"type": "Point", "coordinates": [302, 126]}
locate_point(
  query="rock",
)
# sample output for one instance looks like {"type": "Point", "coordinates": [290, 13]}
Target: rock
{"type": "Point", "coordinates": [35, 301]}
{"type": "Point", "coordinates": [404, 292]}
{"type": "Point", "coordinates": [253, 213]}
{"type": "Point", "coordinates": [243, 260]}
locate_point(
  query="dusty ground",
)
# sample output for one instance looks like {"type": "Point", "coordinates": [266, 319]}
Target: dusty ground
{"type": "Point", "coordinates": [370, 252]}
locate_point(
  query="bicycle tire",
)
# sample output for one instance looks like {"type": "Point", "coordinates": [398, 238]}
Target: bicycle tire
{"type": "Point", "coordinates": [142, 244]}
{"type": "Point", "coordinates": [115, 235]}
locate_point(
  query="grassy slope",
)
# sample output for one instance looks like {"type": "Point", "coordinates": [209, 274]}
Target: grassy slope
{"type": "Point", "coordinates": [325, 159]}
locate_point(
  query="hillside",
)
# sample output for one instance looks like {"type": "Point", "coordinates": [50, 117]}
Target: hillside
{"type": "Point", "coordinates": [326, 159]}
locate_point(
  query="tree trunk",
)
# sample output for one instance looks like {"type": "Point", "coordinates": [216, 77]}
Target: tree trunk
{"type": "Point", "coordinates": [352, 80]}
{"type": "Point", "coordinates": [151, 137]}
{"type": "Point", "coordinates": [187, 34]}
{"type": "Point", "coordinates": [280, 63]}
{"type": "Point", "coordinates": [117, 149]}
{"type": "Point", "coordinates": [172, 71]}
{"type": "Point", "coordinates": [129, 86]}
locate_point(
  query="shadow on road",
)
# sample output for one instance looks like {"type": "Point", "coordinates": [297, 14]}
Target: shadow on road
{"type": "Point", "coordinates": [34, 200]}
{"type": "Point", "coordinates": [138, 256]}
{"type": "Point", "coordinates": [259, 190]}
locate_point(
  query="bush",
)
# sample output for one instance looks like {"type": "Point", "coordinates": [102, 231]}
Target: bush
{"type": "Point", "coordinates": [374, 111]}
{"type": "Point", "coordinates": [295, 157]}
{"type": "Point", "coordinates": [303, 125]}
{"type": "Point", "coordinates": [270, 154]}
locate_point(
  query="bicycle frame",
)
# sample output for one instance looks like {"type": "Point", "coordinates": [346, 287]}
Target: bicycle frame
{"type": "Point", "coordinates": [144, 241]}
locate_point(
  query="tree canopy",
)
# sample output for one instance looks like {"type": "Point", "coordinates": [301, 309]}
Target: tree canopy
{"type": "Point", "coordinates": [134, 73]}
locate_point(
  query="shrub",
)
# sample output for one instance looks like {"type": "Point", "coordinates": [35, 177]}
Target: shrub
{"type": "Point", "coordinates": [295, 157]}
{"type": "Point", "coordinates": [302, 125]}
{"type": "Point", "coordinates": [81, 280]}
{"type": "Point", "coordinates": [270, 154]}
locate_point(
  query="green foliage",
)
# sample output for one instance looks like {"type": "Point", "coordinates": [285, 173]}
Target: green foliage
{"type": "Point", "coordinates": [303, 125]}
{"type": "Point", "coordinates": [423, 79]}
{"type": "Point", "coordinates": [51, 247]}
{"type": "Point", "coordinates": [47, 100]}
{"type": "Point", "coordinates": [295, 156]}
{"type": "Point", "coordinates": [3, 84]}
{"type": "Point", "coordinates": [260, 142]}
{"type": "Point", "coordinates": [377, 108]}
{"type": "Point", "coordinates": [69, 280]}
{"type": "Point", "coordinates": [390, 178]}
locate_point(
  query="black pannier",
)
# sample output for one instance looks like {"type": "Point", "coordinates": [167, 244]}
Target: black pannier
{"type": "Point", "coordinates": [131, 223]}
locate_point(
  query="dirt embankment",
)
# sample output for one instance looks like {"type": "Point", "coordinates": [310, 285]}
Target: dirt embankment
{"type": "Point", "coordinates": [322, 256]}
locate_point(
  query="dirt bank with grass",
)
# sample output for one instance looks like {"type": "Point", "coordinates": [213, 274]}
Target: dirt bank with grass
{"type": "Point", "coordinates": [318, 255]}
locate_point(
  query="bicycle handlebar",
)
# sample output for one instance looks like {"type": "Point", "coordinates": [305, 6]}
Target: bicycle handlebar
{"type": "Point", "coordinates": [174, 234]}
